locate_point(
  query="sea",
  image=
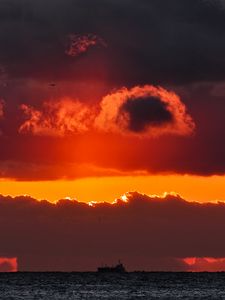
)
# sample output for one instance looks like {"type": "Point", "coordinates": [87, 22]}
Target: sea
{"type": "Point", "coordinates": [137, 285]}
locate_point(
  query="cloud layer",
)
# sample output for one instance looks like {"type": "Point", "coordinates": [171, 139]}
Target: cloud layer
{"type": "Point", "coordinates": [141, 111]}
{"type": "Point", "coordinates": [145, 232]}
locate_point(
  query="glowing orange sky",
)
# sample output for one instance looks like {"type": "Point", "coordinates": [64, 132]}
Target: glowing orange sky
{"type": "Point", "coordinates": [193, 188]}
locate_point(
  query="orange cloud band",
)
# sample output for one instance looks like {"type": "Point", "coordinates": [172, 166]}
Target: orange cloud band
{"type": "Point", "coordinates": [141, 111]}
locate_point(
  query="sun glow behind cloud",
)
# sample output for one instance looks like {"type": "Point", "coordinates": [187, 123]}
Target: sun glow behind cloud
{"type": "Point", "coordinates": [202, 189]}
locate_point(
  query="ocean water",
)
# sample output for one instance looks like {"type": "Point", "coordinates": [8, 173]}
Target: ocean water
{"type": "Point", "coordinates": [49, 286]}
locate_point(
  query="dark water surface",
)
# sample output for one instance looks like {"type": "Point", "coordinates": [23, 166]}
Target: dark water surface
{"type": "Point", "coordinates": [112, 286]}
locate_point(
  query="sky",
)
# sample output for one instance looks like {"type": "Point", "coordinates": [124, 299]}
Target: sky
{"type": "Point", "coordinates": [105, 98]}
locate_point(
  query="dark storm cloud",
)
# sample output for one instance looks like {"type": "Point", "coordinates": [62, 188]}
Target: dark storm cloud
{"type": "Point", "coordinates": [157, 41]}
{"type": "Point", "coordinates": [150, 233]}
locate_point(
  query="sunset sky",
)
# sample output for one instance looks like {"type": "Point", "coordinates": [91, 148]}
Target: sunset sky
{"type": "Point", "coordinates": [105, 98]}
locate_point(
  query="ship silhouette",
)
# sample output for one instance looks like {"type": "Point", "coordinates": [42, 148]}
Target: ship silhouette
{"type": "Point", "coordinates": [119, 268]}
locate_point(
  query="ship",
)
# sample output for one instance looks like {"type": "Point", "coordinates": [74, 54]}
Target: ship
{"type": "Point", "coordinates": [119, 268]}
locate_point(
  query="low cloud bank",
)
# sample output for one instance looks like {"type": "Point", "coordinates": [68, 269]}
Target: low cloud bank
{"type": "Point", "coordinates": [145, 232]}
